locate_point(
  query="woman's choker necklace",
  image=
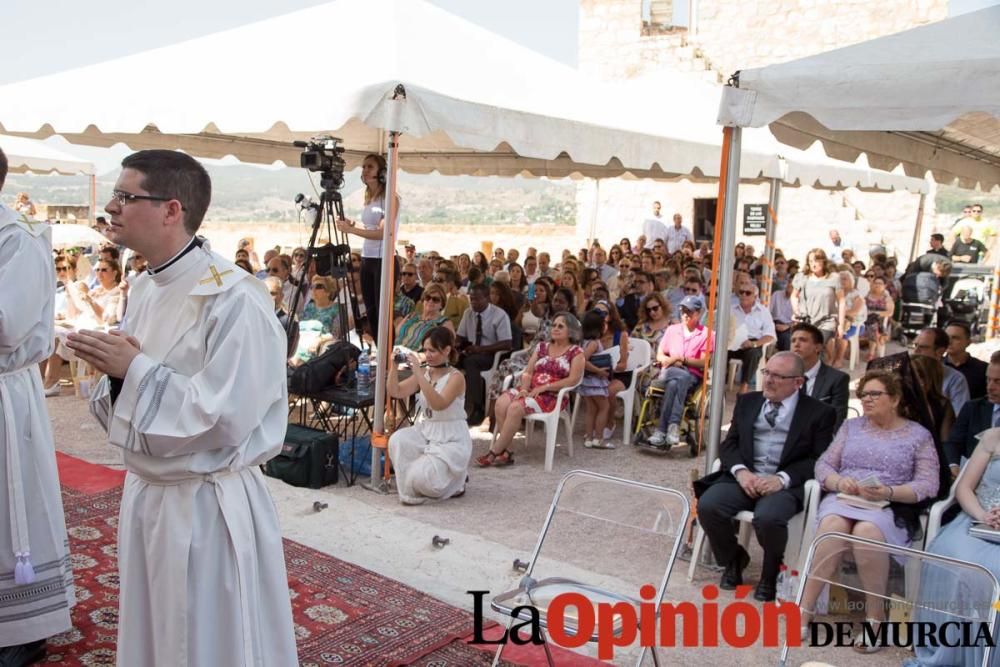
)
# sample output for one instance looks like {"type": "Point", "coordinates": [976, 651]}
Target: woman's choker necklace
{"type": "Point", "coordinates": [444, 365]}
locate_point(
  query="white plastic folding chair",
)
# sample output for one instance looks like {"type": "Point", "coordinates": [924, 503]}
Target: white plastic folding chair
{"type": "Point", "coordinates": [940, 507]}
{"type": "Point", "coordinates": [796, 528]}
{"type": "Point", "coordinates": [604, 538]}
{"type": "Point", "coordinates": [488, 375]}
{"type": "Point", "coordinates": [640, 357]}
{"type": "Point", "coordinates": [550, 422]}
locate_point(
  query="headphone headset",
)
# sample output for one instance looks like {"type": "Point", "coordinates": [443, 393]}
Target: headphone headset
{"type": "Point", "coordinates": [381, 175]}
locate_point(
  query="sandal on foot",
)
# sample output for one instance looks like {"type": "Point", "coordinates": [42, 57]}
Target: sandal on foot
{"type": "Point", "coordinates": [503, 459]}
{"type": "Point", "coordinates": [486, 460]}
{"type": "Point", "coordinates": [859, 644]}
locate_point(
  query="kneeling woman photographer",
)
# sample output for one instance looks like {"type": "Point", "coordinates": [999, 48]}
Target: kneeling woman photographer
{"type": "Point", "coordinates": [431, 458]}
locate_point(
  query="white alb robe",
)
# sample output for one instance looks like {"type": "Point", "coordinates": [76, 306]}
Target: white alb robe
{"type": "Point", "coordinates": [201, 564]}
{"type": "Point", "coordinates": [32, 607]}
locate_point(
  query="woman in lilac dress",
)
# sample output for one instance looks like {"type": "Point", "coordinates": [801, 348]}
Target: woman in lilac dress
{"type": "Point", "coordinates": [898, 452]}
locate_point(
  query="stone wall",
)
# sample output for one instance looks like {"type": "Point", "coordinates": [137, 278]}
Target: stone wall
{"type": "Point", "coordinates": [731, 35]}
{"type": "Point", "coordinates": [736, 34]}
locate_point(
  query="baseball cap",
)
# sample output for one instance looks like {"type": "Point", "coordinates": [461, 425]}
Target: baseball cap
{"type": "Point", "coordinates": [410, 246]}
{"type": "Point", "coordinates": [693, 302]}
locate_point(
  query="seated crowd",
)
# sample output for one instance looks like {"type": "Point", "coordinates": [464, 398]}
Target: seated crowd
{"type": "Point", "coordinates": [543, 326]}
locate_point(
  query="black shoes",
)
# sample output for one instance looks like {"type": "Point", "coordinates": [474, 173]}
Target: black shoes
{"type": "Point", "coordinates": [22, 655]}
{"type": "Point", "coordinates": [733, 575]}
{"type": "Point", "coordinates": [766, 591]}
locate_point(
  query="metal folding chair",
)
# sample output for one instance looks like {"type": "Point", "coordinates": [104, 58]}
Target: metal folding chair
{"type": "Point", "coordinates": [965, 592]}
{"type": "Point", "coordinates": [635, 531]}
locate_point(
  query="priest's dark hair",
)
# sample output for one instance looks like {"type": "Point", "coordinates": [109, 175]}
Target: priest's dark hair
{"type": "Point", "coordinates": [3, 168]}
{"type": "Point", "coordinates": [177, 176]}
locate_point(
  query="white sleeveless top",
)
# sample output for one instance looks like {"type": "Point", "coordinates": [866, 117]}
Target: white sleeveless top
{"type": "Point", "coordinates": [370, 218]}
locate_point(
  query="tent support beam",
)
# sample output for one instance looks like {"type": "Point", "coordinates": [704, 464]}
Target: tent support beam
{"type": "Point", "coordinates": [593, 216]}
{"type": "Point", "coordinates": [93, 198]}
{"type": "Point", "coordinates": [729, 188]}
{"type": "Point", "coordinates": [383, 334]}
{"type": "Point", "coordinates": [773, 203]}
{"type": "Point", "coordinates": [918, 228]}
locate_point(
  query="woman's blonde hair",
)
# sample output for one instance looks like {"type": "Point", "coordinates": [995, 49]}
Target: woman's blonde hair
{"type": "Point", "coordinates": [330, 284]}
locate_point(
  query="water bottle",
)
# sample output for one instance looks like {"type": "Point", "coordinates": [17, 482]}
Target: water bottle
{"type": "Point", "coordinates": [364, 374]}
{"type": "Point", "coordinates": [793, 585]}
{"type": "Point", "coordinates": [782, 584]}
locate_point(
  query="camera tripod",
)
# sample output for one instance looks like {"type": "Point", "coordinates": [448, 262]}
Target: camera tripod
{"type": "Point", "coordinates": [333, 258]}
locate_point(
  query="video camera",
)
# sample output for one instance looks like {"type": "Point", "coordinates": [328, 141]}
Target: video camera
{"type": "Point", "coordinates": [324, 154]}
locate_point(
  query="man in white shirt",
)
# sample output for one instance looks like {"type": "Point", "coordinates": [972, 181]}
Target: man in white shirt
{"type": "Point", "coordinates": [543, 264]}
{"type": "Point", "coordinates": [600, 258]}
{"type": "Point", "coordinates": [653, 228]}
{"type": "Point", "coordinates": [531, 269]}
{"type": "Point", "coordinates": [751, 329]}
{"type": "Point", "coordinates": [835, 250]}
{"type": "Point", "coordinates": [483, 331]}
{"type": "Point", "coordinates": [677, 235]}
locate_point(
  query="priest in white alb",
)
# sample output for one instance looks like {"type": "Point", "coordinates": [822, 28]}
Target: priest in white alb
{"type": "Point", "coordinates": [195, 396]}
{"type": "Point", "coordinates": [36, 584]}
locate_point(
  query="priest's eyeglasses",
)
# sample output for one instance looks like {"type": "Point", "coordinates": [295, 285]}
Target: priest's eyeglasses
{"type": "Point", "coordinates": [127, 197]}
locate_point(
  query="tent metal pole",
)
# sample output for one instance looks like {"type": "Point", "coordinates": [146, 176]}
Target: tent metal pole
{"type": "Point", "coordinates": [383, 335]}
{"type": "Point", "coordinates": [93, 198]}
{"type": "Point", "coordinates": [729, 189]}
{"type": "Point", "coordinates": [918, 228]}
{"type": "Point", "coordinates": [593, 216]}
{"type": "Point", "coordinates": [773, 203]}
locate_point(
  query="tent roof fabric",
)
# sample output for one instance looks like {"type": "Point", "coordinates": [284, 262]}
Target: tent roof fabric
{"type": "Point", "coordinates": [476, 103]}
{"type": "Point", "coordinates": [926, 99]}
{"type": "Point", "coordinates": [31, 156]}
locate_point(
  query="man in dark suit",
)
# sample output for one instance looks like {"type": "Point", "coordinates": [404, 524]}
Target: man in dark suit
{"type": "Point", "coordinates": [976, 416]}
{"type": "Point", "coordinates": [768, 455]}
{"type": "Point", "coordinates": [822, 382]}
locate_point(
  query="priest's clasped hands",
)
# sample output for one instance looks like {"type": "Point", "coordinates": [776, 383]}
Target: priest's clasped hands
{"type": "Point", "coordinates": [110, 353]}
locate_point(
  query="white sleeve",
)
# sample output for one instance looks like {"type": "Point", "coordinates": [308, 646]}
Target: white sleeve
{"type": "Point", "coordinates": [161, 412]}
{"type": "Point", "coordinates": [21, 274]}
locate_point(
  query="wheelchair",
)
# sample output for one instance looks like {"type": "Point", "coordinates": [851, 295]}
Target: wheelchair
{"type": "Point", "coordinates": [691, 426]}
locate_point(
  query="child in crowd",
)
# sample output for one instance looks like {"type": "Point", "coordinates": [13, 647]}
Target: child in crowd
{"type": "Point", "coordinates": [596, 378]}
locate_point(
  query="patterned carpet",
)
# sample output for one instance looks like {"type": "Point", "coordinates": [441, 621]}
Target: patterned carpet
{"type": "Point", "coordinates": [344, 614]}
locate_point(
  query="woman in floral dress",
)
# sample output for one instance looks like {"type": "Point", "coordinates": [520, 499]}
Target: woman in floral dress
{"type": "Point", "coordinates": [552, 366]}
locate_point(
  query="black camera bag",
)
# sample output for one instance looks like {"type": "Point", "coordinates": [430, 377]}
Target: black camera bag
{"type": "Point", "coordinates": [332, 368]}
{"type": "Point", "coordinates": [308, 458]}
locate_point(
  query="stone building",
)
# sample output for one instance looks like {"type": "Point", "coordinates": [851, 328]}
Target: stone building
{"type": "Point", "coordinates": [625, 39]}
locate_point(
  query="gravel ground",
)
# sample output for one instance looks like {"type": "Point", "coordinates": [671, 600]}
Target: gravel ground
{"type": "Point", "coordinates": [497, 520]}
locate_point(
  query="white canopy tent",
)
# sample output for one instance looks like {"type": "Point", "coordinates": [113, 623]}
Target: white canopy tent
{"type": "Point", "coordinates": [474, 103]}
{"type": "Point", "coordinates": [927, 99]}
{"type": "Point", "coordinates": [26, 156]}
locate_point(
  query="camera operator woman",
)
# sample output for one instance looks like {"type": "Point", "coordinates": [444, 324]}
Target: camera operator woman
{"type": "Point", "coordinates": [431, 458]}
{"type": "Point", "coordinates": [372, 230]}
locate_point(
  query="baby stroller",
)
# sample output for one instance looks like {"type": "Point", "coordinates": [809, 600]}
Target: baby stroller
{"type": "Point", "coordinates": [690, 426]}
{"type": "Point", "coordinates": [967, 297]}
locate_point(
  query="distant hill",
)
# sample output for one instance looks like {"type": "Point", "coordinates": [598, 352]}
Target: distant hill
{"type": "Point", "coordinates": [244, 193]}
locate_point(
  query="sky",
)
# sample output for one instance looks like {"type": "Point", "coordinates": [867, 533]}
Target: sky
{"type": "Point", "coordinates": [90, 31]}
